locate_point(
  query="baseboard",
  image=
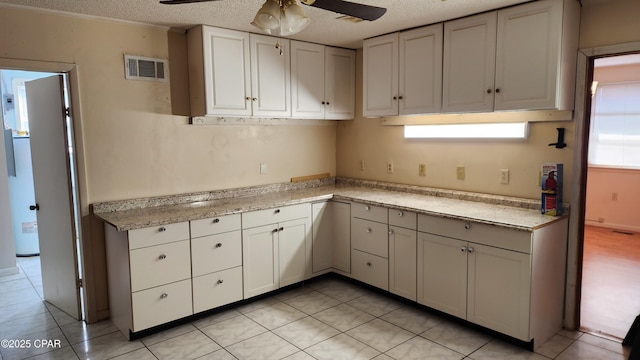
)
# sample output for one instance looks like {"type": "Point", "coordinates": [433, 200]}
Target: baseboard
{"type": "Point", "coordinates": [612, 226]}
{"type": "Point", "coordinates": [9, 271]}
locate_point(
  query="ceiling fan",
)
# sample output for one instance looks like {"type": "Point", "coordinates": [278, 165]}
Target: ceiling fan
{"type": "Point", "coordinates": [285, 17]}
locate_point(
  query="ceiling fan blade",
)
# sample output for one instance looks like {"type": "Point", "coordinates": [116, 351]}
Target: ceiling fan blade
{"type": "Point", "coordinates": [175, 2]}
{"type": "Point", "coordinates": [364, 12]}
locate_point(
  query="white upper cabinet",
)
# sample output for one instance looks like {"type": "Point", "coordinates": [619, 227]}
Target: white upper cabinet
{"type": "Point", "coordinates": [403, 72]}
{"type": "Point", "coordinates": [219, 72]}
{"type": "Point", "coordinates": [270, 76]}
{"type": "Point", "coordinates": [469, 63]}
{"type": "Point", "coordinates": [536, 55]}
{"type": "Point", "coordinates": [322, 81]}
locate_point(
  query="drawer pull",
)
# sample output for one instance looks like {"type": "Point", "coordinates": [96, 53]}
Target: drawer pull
{"type": "Point", "coordinates": [162, 229]}
{"type": "Point", "coordinates": [467, 226]}
{"type": "Point", "coordinates": [368, 263]}
{"type": "Point", "coordinates": [216, 220]}
{"type": "Point", "coordinates": [164, 296]}
{"type": "Point", "coordinates": [277, 211]}
{"type": "Point", "coordinates": [369, 230]}
{"type": "Point", "coordinates": [281, 229]}
{"type": "Point", "coordinates": [400, 213]}
{"type": "Point", "coordinates": [470, 250]}
{"type": "Point", "coordinates": [162, 257]}
{"type": "Point", "coordinates": [274, 230]}
{"type": "Point", "coordinates": [367, 208]}
{"type": "Point", "coordinates": [463, 249]}
{"type": "Point", "coordinates": [218, 245]}
{"type": "Point", "coordinates": [390, 231]}
{"type": "Point", "coordinates": [220, 281]}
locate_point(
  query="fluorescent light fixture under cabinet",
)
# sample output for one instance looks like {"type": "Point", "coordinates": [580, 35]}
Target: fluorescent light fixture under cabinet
{"type": "Point", "coordinates": [468, 131]}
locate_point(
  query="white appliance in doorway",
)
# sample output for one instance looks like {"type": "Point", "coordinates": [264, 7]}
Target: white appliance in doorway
{"type": "Point", "coordinates": [25, 224]}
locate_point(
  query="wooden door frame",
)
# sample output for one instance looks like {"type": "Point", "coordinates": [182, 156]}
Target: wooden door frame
{"type": "Point", "coordinates": [581, 118]}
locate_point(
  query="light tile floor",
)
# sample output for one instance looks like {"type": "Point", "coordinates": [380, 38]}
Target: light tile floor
{"type": "Point", "coordinates": [326, 319]}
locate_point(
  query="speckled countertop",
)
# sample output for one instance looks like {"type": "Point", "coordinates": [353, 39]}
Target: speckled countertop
{"type": "Point", "coordinates": [513, 213]}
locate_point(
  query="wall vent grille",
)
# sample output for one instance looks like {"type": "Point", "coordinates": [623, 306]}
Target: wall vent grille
{"type": "Point", "coordinates": [144, 68]}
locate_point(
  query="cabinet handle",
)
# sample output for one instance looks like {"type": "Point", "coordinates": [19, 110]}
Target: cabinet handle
{"type": "Point", "coordinates": [400, 97]}
{"type": "Point", "coordinates": [219, 245]}
{"type": "Point", "coordinates": [254, 99]}
{"type": "Point", "coordinates": [367, 208]}
{"type": "Point", "coordinates": [368, 263]}
{"type": "Point", "coordinates": [162, 257]}
{"type": "Point", "coordinates": [400, 213]}
{"type": "Point", "coordinates": [275, 230]}
{"type": "Point", "coordinates": [489, 91]}
{"type": "Point", "coordinates": [463, 249]}
{"type": "Point", "coordinates": [328, 103]}
{"type": "Point", "coordinates": [164, 296]}
{"type": "Point", "coordinates": [216, 220]}
{"type": "Point", "coordinates": [395, 98]}
{"type": "Point", "coordinates": [162, 229]}
{"type": "Point", "coordinates": [220, 281]}
{"type": "Point", "coordinates": [368, 230]}
{"type": "Point", "coordinates": [277, 211]}
{"type": "Point", "coordinates": [248, 98]}
{"type": "Point", "coordinates": [471, 250]}
{"type": "Point", "coordinates": [281, 229]}
{"type": "Point", "coordinates": [324, 103]}
{"type": "Point", "coordinates": [390, 231]}
{"type": "Point", "coordinates": [497, 91]}
{"type": "Point", "coordinates": [467, 226]}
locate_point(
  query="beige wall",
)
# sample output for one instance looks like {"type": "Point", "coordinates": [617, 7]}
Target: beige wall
{"type": "Point", "coordinates": [366, 139]}
{"type": "Point", "coordinates": [610, 22]}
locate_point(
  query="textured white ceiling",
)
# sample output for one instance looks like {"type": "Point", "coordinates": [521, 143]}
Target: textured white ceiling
{"type": "Point", "coordinates": [237, 14]}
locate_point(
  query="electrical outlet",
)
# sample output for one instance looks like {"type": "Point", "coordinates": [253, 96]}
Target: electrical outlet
{"type": "Point", "coordinates": [361, 165]}
{"type": "Point", "coordinates": [422, 170]}
{"type": "Point", "coordinates": [390, 167]}
{"type": "Point", "coordinates": [460, 173]}
{"type": "Point", "coordinates": [504, 176]}
{"type": "Point", "coordinates": [263, 168]}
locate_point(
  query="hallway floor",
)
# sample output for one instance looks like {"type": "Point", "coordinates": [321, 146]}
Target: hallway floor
{"type": "Point", "coordinates": [326, 319]}
{"type": "Point", "coordinates": [610, 281]}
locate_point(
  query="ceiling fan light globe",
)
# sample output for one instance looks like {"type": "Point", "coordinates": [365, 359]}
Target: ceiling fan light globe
{"type": "Point", "coordinates": [296, 20]}
{"type": "Point", "coordinates": [268, 17]}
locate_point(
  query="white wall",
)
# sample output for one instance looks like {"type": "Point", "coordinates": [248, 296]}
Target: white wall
{"type": "Point", "coordinates": [7, 248]}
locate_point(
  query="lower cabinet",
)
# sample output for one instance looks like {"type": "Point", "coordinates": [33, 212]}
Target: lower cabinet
{"type": "Point", "coordinates": [402, 261]}
{"type": "Point", "coordinates": [331, 237]}
{"type": "Point", "coordinates": [276, 254]}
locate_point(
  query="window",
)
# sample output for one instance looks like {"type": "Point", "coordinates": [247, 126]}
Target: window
{"type": "Point", "coordinates": [614, 139]}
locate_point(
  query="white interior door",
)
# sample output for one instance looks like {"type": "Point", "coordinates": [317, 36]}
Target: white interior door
{"type": "Point", "coordinates": [52, 183]}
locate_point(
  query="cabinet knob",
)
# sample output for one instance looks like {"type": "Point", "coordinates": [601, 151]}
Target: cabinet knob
{"type": "Point", "coordinates": [390, 231]}
{"type": "Point", "coordinates": [220, 281]}
{"type": "Point", "coordinates": [328, 103]}
{"type": "Point", "coordinates": [489, 91]}
{"type": "Point", "coordinates": [395, 98]}
{"type": "Point", "coordinates": [219, 245]}
{"type": "Point", "coordinates": [281, 229]}
{"type": "Point", "coordinates": [367, 208]}
{"type": "Point", "coordinates": [162, 229]}
{"type": "Point", "coordinates": [274, 230]}
{"type": "Point", "coordinates": [400, 213]}
{"type": "Point", "coordinates": [497, 91]}
{"type": "Point", "coordinates": [470, 250]}
{"type": "Point", "coordinates": [164, 296]}
{"type": "Point", "coordinates": [254, 99]}
{"type": "Point", "coordinates": [368, 263]}
{"type": "Point", "coordinates": [324, 103]}
{"type": "Point", "coordinates": [467, 226]}
{"type": "Point", "coordinates": [463, 249]}
{"type": "Point", "coordinates": [216, 220]}
{"type": "Point", "coordinates": [162, 257]}
{"type": "Point", "coordinates": [400, 97]}
{"type": "Point", "coordinates": [368, 230]}
{"type": "Point", "coordinates": [277, 211]}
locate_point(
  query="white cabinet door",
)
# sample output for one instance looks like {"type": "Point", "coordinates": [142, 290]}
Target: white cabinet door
{"type": "Point", "coordinates": [340, 83]}
{"type": "Point", "coordinates": [380, 75]}
{"type": "Point", "coordinates": [442, 274]}
{"type": "Point", "coordinates": [341, 236]}
{"type": "Point", "coordinates": [499, 290]}
{"type": "Point", "coordinates": [226, 79]}
{"type": "Point", "coordinates": [260, 260]}
{"type": "Point", "coordinates": [469, 63]}
{"type": "Point", "coordinates": [270, 76]}
{"type": "Point", "coordinates": [322, 236]}
{"type": "Point", "coordinates": [402, 262]}
{"type": "Point", "coordinates": [294, 251]}
{"type": "Point", "coordinates": [307, 80]}
{"type": "Point", "coordinates": [420, 86]}
{"type": "Point", "coordinates": [528, 56]}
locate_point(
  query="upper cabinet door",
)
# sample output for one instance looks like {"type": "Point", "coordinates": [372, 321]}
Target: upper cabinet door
{"type": "Point", "coordinates": [380, 78]}
{"type": "Point", "coordinates": [226, 72]}
{"type": "Point", "coordinates": [270, 76]}
{"type": "Point", "coordinates": [339, 83]}
{"type": "Point", "coordinates": [307, 80]}
{"type": "Point", "coordinates": [469, 63]}
{"type": "Point", "coordinates": [420, 70]}
{"type": "Point", "coordinates": [528, 56]}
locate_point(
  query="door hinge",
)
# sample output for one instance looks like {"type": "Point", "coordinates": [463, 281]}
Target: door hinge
{"type": "Point", "coordinates": [67, 111]}
{"type": "Point", "coordinates": [79, 283]}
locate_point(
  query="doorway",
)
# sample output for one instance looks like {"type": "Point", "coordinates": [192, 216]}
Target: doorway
{"type": "Point", "coordinates": [610, 284]}
{"type": "Point", "coordinates": [23, 189]}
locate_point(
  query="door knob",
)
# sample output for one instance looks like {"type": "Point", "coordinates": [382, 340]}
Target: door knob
{"type": "Point", "coordinates": [34, 207]}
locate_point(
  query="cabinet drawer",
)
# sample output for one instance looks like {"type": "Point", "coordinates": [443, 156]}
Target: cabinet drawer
{"type": "Point", "coordinates": [217, 289]}
{"type": "Point", "coordinates": [370, 269]}
{"type": "Point", "coordinates": [158, 265]}
{"type": "Point", "coordinates": [158, 235]}
{"type": "Point", "coordinates": [511, 239]}
{"type": "Point", "coordinates": [216, 252]}
{"type": "Point", "coordinates": [161, 304]}
{"type": "Point", "coordinates": [369, 212]}
{"type": "Point", "coordinates": [217, 225]}
{"type": "Point", "coordinates": [370, 236]}
{"type": "Point", "coordinates": [275, 215]}
{"type": "Point", "coordinates": [405, 219]}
